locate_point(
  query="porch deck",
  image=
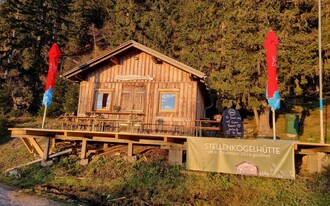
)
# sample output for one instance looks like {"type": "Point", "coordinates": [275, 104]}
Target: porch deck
{"type": "Point", "coordinates": [31, 136]}
{"type": "Point", "coordinates": [317, 155]}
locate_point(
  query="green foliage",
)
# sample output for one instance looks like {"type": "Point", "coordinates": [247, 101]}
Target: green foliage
{"type": "Point", "coordinates": [105, 168]}
{"type": "Point", "coordinates": [33, 175]}
{"type": "Point", "coordinates": [30, 28]}
{"type": "Point", "coordinates": [114, 181]}
{"type": "Point", "coordinates": [87, 17]}
{"type": "Point", "coordinates": [148, 180]}
{"type": "Point", "coordinates": [67, 166]}
{"type": "Point", "coordinates": [224, 39]}
{"type": "Point", "coordinates": [70, 104]}
{"type": "Point", "coordinates": [322, 181]}
{"type": "Point", "coordinates": [64, 100]}
{"type": "Point", "coordinates": [3, 126]}
{"type": "Point", "coordinates": [6, 101]}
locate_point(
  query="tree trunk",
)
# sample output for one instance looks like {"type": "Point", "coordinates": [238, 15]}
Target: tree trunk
{"type": "Point", "coordinates": [96, 51]}
{"type": "Point", "coordinates": [264, 127]}
{"type": "Point", "coordinates": [256, 116]}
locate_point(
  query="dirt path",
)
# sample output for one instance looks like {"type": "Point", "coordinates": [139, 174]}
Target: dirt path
{"type": "Point", "coordinates": [11, 197]}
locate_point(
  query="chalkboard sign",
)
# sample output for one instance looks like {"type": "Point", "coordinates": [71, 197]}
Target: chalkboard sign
{"type": "Point", "coordinates": [232, 123]}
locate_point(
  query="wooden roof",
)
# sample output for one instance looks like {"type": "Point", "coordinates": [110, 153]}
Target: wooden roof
{"type": "Point", "coordinates": [77, 72]}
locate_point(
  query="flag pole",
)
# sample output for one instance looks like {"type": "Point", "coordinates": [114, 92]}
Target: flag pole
{"type": "Point", "coordinates": [320, 77]}
{"type": "Point", "coordinates": [43, 120]}
{"type": "Point", "coordinates": [274, 128]}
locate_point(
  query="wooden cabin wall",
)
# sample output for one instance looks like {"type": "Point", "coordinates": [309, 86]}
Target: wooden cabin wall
{"type": "Point", "coordinates": [86, 94]}
{"type": "Point", "coordinates": [165, 78]}
{"type": "Point", "coordinates": [200, 108]}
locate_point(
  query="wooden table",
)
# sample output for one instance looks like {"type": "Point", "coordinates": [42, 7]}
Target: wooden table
{"type": "Point", "coordinates": [117, 125]}
{"type": "Point", "coordinates": [132, 123]}
{"type": "Point", "coordinates": [77, 122]}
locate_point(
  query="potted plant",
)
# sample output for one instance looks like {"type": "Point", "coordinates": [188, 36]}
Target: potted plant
{"type": "Point", "coordinates": [116, 108]}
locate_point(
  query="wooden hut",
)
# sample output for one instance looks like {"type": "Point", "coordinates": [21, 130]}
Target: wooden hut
{"type": "Point", "coordinates": [135, 79]}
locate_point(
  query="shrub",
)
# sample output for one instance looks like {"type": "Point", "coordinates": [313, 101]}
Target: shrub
{"type": "Point", "coordinates": [4, 123]}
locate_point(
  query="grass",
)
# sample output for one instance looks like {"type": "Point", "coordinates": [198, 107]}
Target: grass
{"type": "Point", "coordinates": [309, 125]}
{"type": "Point", "coordinates": [114, 181]}
{"type": "Point", "coordinates": [111, 180]}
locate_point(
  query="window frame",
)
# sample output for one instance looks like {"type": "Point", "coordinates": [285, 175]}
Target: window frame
{"type": "Point", "coordinates": [96, 95]}
{"type": "Point", "coordinates": [164, 92]}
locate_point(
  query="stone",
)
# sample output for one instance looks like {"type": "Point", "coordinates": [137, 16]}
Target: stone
{"type": "Point", "coordinates": [84, 162]}
{"type": "Point", "coordinates": [46, 163]}
{"type": "Point", "coordinates": [14, 173]}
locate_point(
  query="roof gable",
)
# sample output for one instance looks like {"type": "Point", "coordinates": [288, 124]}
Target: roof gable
{"type": "Point", "coordinates": [85, 67]}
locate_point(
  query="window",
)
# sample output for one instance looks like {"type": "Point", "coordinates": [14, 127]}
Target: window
{"type": "Point", "coordinates": [102, 100]}
{"type": "Point", "coordinates": [168, 101]}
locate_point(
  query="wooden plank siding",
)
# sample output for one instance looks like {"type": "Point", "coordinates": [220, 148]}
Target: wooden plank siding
{"type": "Point", "coordinates": [190, 103]}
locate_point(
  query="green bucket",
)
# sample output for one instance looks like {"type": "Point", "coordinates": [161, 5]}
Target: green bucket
{"type": "Point", "coordinates": [291, 124]}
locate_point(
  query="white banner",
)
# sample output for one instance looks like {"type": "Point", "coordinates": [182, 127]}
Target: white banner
{"type": "Point", "coordinates": [269, 158]}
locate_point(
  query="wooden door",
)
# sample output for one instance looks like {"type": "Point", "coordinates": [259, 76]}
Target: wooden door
{"type": "Point", "coordinates": [133, 98]}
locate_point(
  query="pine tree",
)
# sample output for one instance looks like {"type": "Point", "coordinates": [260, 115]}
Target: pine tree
{"type": "Point", "coordinates": [70, 104]}
{"type": "Point", "coordinates": [30, 28]}
{"type": "Point", "coordinates": [64, 100]}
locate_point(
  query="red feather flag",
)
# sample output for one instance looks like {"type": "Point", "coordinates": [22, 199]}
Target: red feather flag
{"type": "Point", "coordinates": [272, 93]}
{"type": "Point", "coordinates": [53, 54]}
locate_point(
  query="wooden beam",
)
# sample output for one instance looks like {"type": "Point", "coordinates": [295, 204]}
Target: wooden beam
{"type": "Point", "coordinates": [130, 149]}
{"type": "Point", "coordinates": [115, 60]}
{"type": "Point", "coordinates": [151, 141]}
{"type": "Point", "coordinates": [46, 151]}
{"type": "Point", "coordinates": [295, 147]}
{"type": "Point", "coordinates": [156, 60]}
{"type": "Point", "coordinates": [37, 147]}
{"type": "Point", "coordinates": [17, 131]}
{"type": "Point", "coordinates": [64, 137]}
{"type": "Point", "coordinates": [79, 77]}
{"type": "Point", "coordinates": [322, 149]}
{"type": "Point", "coordinates": [109, 140]}
{"type": "Point", "coordinates": [27, 144]}
{"type": "Point", "coordinates": [30, 136]}
{"type": "Point", "coordinates": [313, 150]}
{"type": "Point", "coordinates": [173, 146]}
{"type": "Point", "coordinates": [83, 149]}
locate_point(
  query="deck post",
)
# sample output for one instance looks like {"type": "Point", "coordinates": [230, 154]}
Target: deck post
{"type": "Point", "coordinates": [323, 161]}
{"type": "Point", "coordinates": [46, 151]}
{"type": "Point", "coordinates": [83, 160]}
{"type": "Point", "coordinates": [130, 150]}
{"type": "Point", "coordinates": [83, 149]}
{"type": "Point", "coordinates": [317, 162]}
{"type": "Point", "coordinates": [130, 156]}
{"type": "Point", "coordinates": [175, 156]}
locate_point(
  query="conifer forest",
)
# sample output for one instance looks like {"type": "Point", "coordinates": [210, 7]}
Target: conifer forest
{"type": "Point", "coordinates": [224, 39]}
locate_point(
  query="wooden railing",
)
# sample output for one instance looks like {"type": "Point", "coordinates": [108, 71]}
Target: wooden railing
{"type": "Point", "coordinates": [206, 127]}
{"type": "Point", "coordinates": [133, 124]}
